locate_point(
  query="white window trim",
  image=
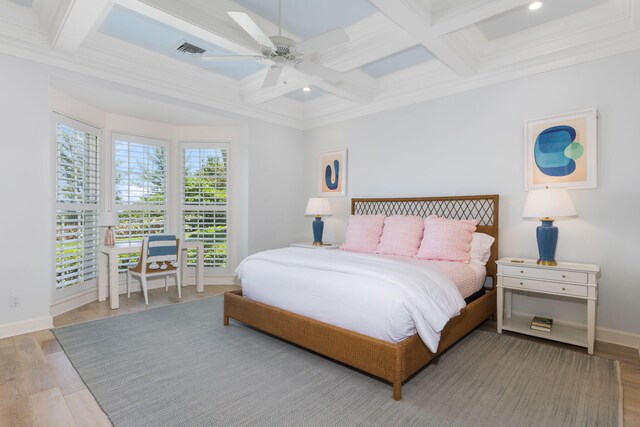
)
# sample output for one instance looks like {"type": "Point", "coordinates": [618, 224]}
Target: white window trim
{"type": "Point", "coordinates": [92, 284]}
{"type": "Point", "coordinates": [168, 205]}
{"type": "Point", "coordinates": [180, 208]}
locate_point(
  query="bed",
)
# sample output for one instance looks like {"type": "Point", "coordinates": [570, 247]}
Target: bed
{"type": "Point", "coordinates": [394, 362]}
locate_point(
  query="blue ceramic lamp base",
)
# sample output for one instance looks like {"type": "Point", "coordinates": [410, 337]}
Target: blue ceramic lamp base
{"type": "Point", "coordinates": [318, 228]}
{"type": "Point", "coordinates": [547, 236]}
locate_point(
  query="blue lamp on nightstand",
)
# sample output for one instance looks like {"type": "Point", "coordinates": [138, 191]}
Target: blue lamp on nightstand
{"type": "Point", "coordinates": [548, 205]}
{"type": "Point", "coordinates": [319, 207]}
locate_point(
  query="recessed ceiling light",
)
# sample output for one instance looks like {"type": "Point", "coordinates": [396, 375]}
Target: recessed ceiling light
{"type": "Point", "coordinates": [306, 89]}
{"type": "Point", "coordinates": [535, 5]}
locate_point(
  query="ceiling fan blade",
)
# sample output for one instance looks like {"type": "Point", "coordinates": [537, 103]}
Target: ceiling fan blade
{"type": "Point", "coordinates": [328, 39]}
{"type": "Point", "coordinates": [272, 77]}
{"type": "Point", "coordinates": [251, 28]}
{"type": "Point", "coordinates": [313, 69]}
{"type": "Point", "coordinates": [230, 57]}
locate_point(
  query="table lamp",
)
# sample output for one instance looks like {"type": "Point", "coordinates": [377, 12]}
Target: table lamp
{"type": "Point", "coordinates": [108, 219]}
{"type": "Point", "coordinates": [547, 205]}
{"type": "Point", "coordinates": [319, 207]}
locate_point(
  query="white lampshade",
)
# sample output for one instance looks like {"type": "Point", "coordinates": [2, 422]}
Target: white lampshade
{"type": "Point", "coordinates": [318, 206]}
{"type": "Point", "coordinates": [108, 219]}
{"type": "Point", "coordinates": [549, 203]}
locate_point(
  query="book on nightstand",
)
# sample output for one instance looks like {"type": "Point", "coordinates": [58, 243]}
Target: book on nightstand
{"type": "Point", "coordinates": [543, 324]}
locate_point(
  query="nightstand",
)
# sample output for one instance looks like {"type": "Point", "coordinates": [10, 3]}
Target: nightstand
{"type": "Point", "coordinates": [310, 245]}
{"type": "Point", "coordinates": [569, 280]}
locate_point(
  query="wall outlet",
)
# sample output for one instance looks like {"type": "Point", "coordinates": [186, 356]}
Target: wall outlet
{"type": "Point", "coordinates": [14, 300]}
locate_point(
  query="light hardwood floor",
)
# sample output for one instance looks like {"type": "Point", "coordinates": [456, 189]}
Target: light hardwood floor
{"type": "Point", "coordinates": [39, 387]}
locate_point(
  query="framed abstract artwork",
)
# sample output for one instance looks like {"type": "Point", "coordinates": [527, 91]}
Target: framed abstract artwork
{"type": "Point", "coordinates": [561, 150]}
{"type": "Point", "coordinates": [333, 173]}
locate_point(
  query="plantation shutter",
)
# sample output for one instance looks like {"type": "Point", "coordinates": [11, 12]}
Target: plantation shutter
{"type": "Point", "coordinates": [205, 202]}
{"type": "Point", "coordinates": [77, 197]}
{"type": "Point", "coordinates": [140, 169]}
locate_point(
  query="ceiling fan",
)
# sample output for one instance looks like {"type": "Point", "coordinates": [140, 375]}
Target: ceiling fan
{"type": "Point", "coordinates": [285, 52]}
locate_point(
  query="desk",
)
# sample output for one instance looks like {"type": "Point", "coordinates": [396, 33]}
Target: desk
{"type": "Point", "coordinates": [108, 269]}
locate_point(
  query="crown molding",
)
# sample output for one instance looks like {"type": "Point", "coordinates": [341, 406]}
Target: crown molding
{"type": "Point", "coordinates": [595, 33]}
{"type": "Point", "coordinates": [119, 62]}
{"type": "Point", "coordinates": [434, 80]}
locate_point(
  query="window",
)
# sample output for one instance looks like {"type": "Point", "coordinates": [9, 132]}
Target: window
{"type": "Point", "coordinates": [204, 201]}
{"type": "Point", "coordinates": [77, 189]}
{"type": "Point", "coordinates": [140, 169]}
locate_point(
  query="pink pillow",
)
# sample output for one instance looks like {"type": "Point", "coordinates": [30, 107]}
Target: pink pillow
{"type": "Point", "coordinates": [447, 239]}
{"type": "Point", "coordinates": [401, 235]}
{"type": "Point", "coordinates": [363, 233]}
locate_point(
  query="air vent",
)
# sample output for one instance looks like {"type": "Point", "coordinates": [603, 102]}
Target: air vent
{"type": "Point", "coordinates": [189, 48]}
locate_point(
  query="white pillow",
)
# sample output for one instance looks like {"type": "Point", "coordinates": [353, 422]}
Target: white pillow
{"type": "Point", "coordinates": [481, 248]}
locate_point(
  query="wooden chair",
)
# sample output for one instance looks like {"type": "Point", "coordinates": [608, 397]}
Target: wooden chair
{"type": "Point", "coordinates": [160, 256]}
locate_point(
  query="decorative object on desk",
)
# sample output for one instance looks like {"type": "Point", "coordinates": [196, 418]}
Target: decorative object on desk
{"type": "Point", "coordinates": [108, 219]}
{"type": "Point", "coordinates": [543, 324]}
{"type": "Point", "coordinates": [560, 150]}
{"type": "Point", "coordinates": [548, 205]}
{"type": "Point", "coordinates": [333, 173]}
{"type": "Point", "coordinates": [319, 207]}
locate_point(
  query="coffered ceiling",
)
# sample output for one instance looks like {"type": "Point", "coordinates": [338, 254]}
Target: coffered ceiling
{"type": "Point", "coordinates": [398, 51]}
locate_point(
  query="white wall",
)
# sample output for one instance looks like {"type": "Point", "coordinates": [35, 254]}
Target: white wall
{"type": "Point", "coordinates": [472, 143]}
{"type": "Point", "coordinates": [276, 186]}
{"type": "Point", "coordinates": [26, 187]}
{"type": "Point", "coordinates": [265, 166]}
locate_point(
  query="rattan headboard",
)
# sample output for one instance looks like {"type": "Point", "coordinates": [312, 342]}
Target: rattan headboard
{"type": "Point", "coordinates": [482, 208]}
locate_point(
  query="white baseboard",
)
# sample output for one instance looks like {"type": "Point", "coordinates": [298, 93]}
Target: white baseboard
{"type": "Point", "coordinates": [74, 301]}
{"type": "Point", "coordinates": [134, 284]}
{"type": "Point", "coordinates": [626, 339]}
{"type": "Point", "coordinates": [26, 326]}
{"type": "Point", "coordinates": [81, 298]}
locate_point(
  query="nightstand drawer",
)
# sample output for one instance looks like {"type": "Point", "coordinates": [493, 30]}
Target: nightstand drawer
{"type": "Point", "coordinates": [538, 286]}
{"type": "Point", "coordinates": [545, 274]}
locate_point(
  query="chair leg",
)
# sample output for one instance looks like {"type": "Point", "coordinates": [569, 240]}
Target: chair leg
{"type": "Point", "coordinates": [143, 282]}
{"type": "Point", "coordinates": [166, 283]}
{"type": "Point", "coordinates": [179, 284]}
{"type": "Point", "coordinates": [128, 291]}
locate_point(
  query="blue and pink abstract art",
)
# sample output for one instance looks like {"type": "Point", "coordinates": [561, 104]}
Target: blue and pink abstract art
{"type": "Point", "coordinates": [556, 151]}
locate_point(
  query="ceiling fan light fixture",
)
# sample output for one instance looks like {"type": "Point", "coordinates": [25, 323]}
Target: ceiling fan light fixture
{"type": "Point", "coordinates": [284, 52]}
{"type": "Point", "coordinates": [535, 5]}
{"type": "Point", "coordinates": [306, 89]}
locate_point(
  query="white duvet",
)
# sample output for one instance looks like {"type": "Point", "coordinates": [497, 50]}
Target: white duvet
{"type": "Point", "coordinates": [365, 293]}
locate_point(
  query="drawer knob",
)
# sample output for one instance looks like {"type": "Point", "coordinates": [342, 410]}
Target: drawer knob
{"type": "Point", "coordinates": [521, 271]}
{"type": "Point", "coordinates": [521, 283]}
{"type": "Point", "coordinates": [564, 289]}
{"type": "Point", "coordinates": [563, 276]}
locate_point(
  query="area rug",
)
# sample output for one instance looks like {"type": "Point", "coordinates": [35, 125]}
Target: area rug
{"type": "Point", "coordinates": [178, 366]}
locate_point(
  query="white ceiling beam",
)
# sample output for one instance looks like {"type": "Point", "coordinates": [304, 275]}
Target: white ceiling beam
{"type": "Point", "coordinates": [352, 89]}
{"type": "Point", "coordinates": [78, 18]}
{"type": "Point", "coordinates": [372, 38]}
{"type": "Point", "coordinates": [221, 32]}
{"type": "Point", "coordinates": [451, 20]}
{"type": "Point", "coordinates": [414, 18]}
{"type": "Point", "coordinates": [205, 22]}
{"type": "Point", "coordinates": [253, 93]}
{"type": "Point", "coordinates": [357, 86]}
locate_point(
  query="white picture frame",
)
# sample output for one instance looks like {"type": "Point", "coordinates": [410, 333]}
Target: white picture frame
{"type": "Point", "coordinates": [573, 164]}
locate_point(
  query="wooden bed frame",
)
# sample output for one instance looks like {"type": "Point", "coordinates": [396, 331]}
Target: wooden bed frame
{"type": "Point", "coordinates": [394, 362]}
